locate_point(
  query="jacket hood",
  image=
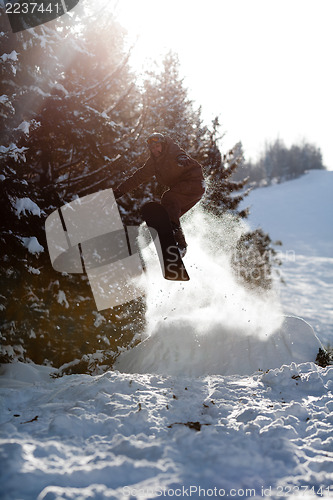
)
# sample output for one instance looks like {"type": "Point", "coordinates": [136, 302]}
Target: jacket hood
{"type": "Point", "coordinates": [168, 146]}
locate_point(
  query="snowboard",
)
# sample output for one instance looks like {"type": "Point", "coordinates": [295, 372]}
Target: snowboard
{"type": "Point", "coordinates": [157, 220]}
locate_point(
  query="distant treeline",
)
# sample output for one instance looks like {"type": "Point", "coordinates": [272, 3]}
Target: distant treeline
{"type": "Point", "coordinates": [278, 163]}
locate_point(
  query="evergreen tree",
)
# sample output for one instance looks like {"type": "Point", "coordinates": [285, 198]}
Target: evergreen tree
{"type": "Point", "coordinates": [69, 112]}
{"type": "Point", "coordinates": [88, 119]}
{"type": "Point", "coordinates": [223, 193]}
{"type": "Point", "coordinates": [253, 259]}
{"type": "Point", "coordinates": [166, 109]}
{"type": "Point", "coordinates": [166, 105]}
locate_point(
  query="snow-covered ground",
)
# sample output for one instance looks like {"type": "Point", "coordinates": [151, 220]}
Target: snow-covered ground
{"type": "Point", "coordinates": [143, 436]}
{"type": "Point", "coordinates": [222, 397]}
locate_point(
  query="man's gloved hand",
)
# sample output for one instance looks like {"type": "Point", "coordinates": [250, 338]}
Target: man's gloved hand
{"type": "Point", "coordinates": [183, 160]}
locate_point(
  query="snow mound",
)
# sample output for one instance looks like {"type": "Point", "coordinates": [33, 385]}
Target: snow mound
{"type": "Point", "coordinates": [19, 374]}
{"type": "Point", "coordinates": [174, 350]}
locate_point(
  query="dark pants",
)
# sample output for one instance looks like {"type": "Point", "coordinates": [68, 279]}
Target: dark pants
{"type": "Point", "coordinates": [181, 197]}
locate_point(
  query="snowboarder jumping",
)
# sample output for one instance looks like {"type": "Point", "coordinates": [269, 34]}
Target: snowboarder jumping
{"type": "Point", "coordinates": [173, 168]}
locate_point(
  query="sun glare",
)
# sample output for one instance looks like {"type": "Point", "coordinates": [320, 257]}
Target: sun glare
{"type": "Point", "coordinates": [239, 63]}
{"type": "Point", "coordinates": [150, 29]}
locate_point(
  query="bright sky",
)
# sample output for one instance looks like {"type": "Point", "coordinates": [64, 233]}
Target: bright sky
{"type": "Point", "coordinates": [263, 66]}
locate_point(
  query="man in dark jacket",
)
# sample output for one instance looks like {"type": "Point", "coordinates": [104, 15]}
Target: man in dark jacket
{"type": "Point", "coordinates": [175, 169]}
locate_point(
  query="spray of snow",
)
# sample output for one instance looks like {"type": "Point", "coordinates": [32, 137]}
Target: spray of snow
{"type": "Point", "coordinates": [213, 296]}
{"type": "Point", "coordinates": [211, 324]}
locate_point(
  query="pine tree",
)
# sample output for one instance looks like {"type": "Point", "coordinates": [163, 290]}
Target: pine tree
{"type": "Point", "coordinates": [88, 119]}
{"type": "Point", "coordinates": [22, 90]}
{"type": "Point", "coordinates": [222, 193]}
{"type": "Point", "coordinates": [166, 104]}
{"type": "Point", "coordinates": [70, 113]}
{"type": "Point", "coordinates": [166, 109]}
{"type": "Point", "coordinates": [253, 259]}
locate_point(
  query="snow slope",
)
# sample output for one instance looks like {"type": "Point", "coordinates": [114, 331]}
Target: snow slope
{"type": "Point", "coordinates": [195, 418]}
{"type": "Point", "coordinates": [300, 214]}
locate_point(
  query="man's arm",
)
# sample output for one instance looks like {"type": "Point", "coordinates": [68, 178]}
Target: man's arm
{"type": "Point", "coordinates": [183, 160]}
{"type": "Point", "coordinates": [140, 176]}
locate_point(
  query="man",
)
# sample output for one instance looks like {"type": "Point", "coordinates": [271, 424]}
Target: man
{"type": "Point", "coordinates": [173, 168]}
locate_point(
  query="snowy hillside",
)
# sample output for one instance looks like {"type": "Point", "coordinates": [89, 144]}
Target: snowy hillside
{"type": "Point", "coordinates": [300, 214]}
{"type": "Point", "coordinates": [222, 396]}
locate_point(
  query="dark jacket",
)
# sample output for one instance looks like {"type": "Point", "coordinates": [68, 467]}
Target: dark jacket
{"type": "Point", "coordinates": [166, 169]}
